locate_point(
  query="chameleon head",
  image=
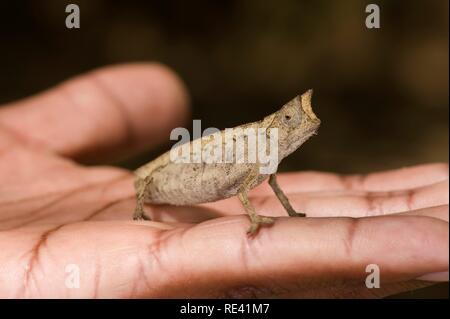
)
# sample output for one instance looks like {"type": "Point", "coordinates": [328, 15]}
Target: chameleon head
{"type": "Point", "coordinates": [296, 123]}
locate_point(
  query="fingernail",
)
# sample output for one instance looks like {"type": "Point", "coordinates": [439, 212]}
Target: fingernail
{"type": "Point", "coordinates": [435, 276]}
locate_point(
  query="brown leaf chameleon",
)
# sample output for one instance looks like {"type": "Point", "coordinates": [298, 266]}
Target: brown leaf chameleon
{"type": "Point", "coordinates": [163, 181]}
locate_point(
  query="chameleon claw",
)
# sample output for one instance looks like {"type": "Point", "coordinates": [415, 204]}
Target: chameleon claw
{"type": "Point", "coordinates": [140, 216]}
{"type": "Point", "coordinates": [257, 221]}
{"type": "Point", "coordinates": [297, 214]}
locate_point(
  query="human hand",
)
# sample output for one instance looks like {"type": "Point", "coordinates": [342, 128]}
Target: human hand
{"type": "Point", "coordinates": [55, 212]}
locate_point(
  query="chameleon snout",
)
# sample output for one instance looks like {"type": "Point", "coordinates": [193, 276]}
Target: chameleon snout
{"type": "Point", "coordinates": [306, 105]}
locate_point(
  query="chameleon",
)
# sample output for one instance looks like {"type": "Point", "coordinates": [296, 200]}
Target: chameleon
{"type": "Point", "coordinates": [163, 181]}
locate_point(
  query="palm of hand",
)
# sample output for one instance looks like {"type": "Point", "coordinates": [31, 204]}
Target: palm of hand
{"type": "Point", "coordinates": [55, 213]}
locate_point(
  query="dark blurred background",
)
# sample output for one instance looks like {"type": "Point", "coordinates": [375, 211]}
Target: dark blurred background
{"type": "Point", "coordinates": [382, 94]}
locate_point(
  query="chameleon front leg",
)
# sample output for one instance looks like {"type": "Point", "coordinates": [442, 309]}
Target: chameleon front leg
{"type": "Point", "coordinates": [282, 197]}
{"type": "Point", "coordinates": [140, 185]}
{"type": "Point", "coordinates": [255, 219]}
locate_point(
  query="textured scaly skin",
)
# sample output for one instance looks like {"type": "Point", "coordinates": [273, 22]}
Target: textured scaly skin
{"type": "Point", "coordinates": [164, 182]}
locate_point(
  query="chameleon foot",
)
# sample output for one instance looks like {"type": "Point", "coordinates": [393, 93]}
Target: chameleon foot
{"type": "Point", "coordinates": [258, 221]}
{"type": "Point", "coordinates": [143, 217]}
{"type": "Point", "coordinates": [140, 215]}
{"type": "Point", "coordinates": [296, 214]}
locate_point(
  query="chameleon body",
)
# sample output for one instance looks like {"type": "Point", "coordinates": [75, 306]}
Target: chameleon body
{"type": "Point", "coordinates": [163, 181]}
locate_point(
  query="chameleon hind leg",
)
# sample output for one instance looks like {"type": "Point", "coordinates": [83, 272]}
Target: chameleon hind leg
{"type": "Point", "coordinates": [256, 220]}
{"type": "Point", "coordinates": [140, 185]}
{"type": "Point", "coordinates": [283, 198]}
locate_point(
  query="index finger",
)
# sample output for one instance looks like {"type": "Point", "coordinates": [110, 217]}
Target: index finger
{"type": "Point", "coordinates": [105, 114]}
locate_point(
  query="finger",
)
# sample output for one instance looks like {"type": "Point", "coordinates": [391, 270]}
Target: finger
{"type": "Point", "coordinates": [439, 212]}
{"type": "Point", "coordinates": [309, 253]}
{"type": "Point", "coordinates": [110, 208]}
{"type": "Point", "coordinates": [116, 200]}
{"type": "Point", "coordinates": [335, 203]}
{"type": "Point", "coordinates": [398, 179]}
{"type": "Point", "coordinates": [351, 203]}
{"type": "Point", "coordinates": [316, 257]}
{"type": "Point", "coordinates": [324, 204]}
{"type": "Point", "coordinates": [105, 114]}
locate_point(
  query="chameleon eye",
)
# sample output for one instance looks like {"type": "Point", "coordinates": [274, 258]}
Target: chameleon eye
{"type": "Point", "coordinates": [290, 119]}
{"type": "Point", "coordinates": [287, 119]}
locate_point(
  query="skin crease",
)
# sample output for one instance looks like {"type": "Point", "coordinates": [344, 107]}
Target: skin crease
{"type": "Point", "coordinates": [55, 212]}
